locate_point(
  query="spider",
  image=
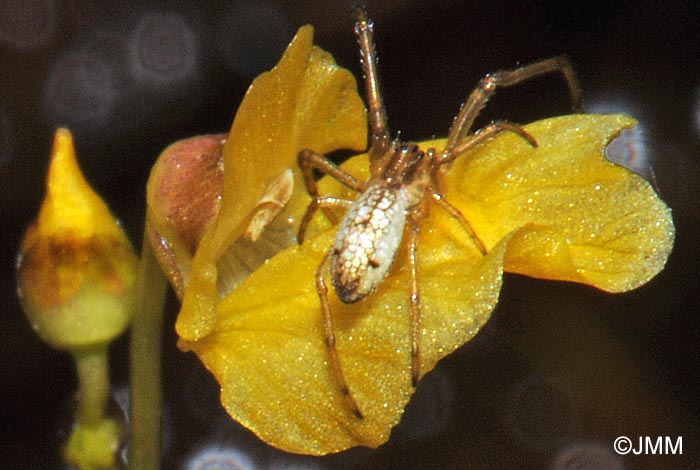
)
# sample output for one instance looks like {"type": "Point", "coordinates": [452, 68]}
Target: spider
{"type": "Point", "coordinates": [405, 180]}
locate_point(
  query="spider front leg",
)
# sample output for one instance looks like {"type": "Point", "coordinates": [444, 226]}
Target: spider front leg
{"type": "Point", "coordinates": [487, 87]}
{"type": "Point", "coordinates": [329, 334]}
{"type": "Point", "coordinates": [308, 161]}
{"type": "Point", "coordinates": [380, 137]}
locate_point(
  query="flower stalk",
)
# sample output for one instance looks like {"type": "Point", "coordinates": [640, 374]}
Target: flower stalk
{"type": "Point", "coordinates": [92, 366]}
{"type": "Point", "coordinates": [145, 364]}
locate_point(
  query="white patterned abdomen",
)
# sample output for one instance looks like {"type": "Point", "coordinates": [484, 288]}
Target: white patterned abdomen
{"type": "Point", "coordinates": [367, 241]}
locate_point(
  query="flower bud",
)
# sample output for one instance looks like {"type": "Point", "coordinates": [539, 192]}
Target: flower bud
{"type": "Point", "coordinates": [183, 195]}
{"type": "Point", "coordinates": [76, 268]}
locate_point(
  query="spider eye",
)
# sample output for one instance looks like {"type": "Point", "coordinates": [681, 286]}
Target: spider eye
{"type": "Point", "coordinates": [374, 263]}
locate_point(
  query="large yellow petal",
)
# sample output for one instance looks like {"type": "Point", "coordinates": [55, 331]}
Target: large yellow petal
{"type": "Point", "coordinates": [305, 101]}
{"type": "Point", "coordinates": [268, 351]}
{"type": "Point", "coordinates": [589, 220]}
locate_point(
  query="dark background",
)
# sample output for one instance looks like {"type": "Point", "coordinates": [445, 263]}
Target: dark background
{"type": "Point", "coordinates": [559, 372]}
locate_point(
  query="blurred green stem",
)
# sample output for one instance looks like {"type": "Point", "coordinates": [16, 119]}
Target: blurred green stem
{"type": "Point", "coordinates": [146, 363]}
{"type": "Point", "coordinates": [93, 375]}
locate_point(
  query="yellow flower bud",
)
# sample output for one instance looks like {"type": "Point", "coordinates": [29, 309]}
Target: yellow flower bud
{"type": "Point", "coordinates": [76, 268]}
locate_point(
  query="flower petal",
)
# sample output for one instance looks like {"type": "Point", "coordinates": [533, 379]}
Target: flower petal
{"type": "Point", "coordinates": [305, 101]}
{"type": "Point", "coordinates": [269, 354]}
{"type": "Point", "coordinates": [589, 220]}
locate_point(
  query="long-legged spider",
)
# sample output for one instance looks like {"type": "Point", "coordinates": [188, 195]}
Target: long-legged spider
{"type": "Point", "coordinates": [397, 197]}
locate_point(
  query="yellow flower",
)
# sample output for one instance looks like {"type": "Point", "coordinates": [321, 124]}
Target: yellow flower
{"type": "Point", "coordinates": [76, 268]}
{"type": "Point", "coordinates": [560, 211]}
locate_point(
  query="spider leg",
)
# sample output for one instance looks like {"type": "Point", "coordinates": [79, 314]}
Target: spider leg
{"type": "Point", "coordinates": [413, 235]}
{"type": "Point", "coordinates": [324, 203]}
{"type": "Point", "coordinates": [329, 333]}
{"type": "Point", "coordinates": [487, 86]}
{"type": "Point", "coordinates": [308, 161]}
{"type": "Point", "coordinates": [450, 154]}
{"type": "Point", "coordinates": [380, 140]}
{"type": "Point", "coordinates": [457, 214]}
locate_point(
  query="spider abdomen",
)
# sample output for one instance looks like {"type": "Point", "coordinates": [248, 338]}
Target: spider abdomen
{"type": "Point", "coordinates": [367, 241]}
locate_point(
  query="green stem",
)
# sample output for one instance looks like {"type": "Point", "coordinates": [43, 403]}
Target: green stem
{"type": "Point", "coordinates": [93, 375]}
{"type": "Point", "coordinates": [146, 363]}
